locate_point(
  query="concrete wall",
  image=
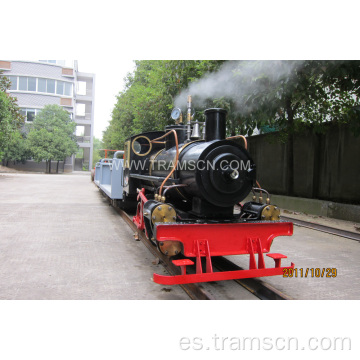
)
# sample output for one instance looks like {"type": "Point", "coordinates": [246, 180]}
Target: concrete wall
{"type": "Point", "coordinates": [327, 166]}
{"type": "Point", "coordinates": [33, 166]}
{"type": "Point", "coordinates": [78, 164]}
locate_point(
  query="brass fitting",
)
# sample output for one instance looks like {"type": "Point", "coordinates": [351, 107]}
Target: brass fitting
{"type": "Point", "coordinates": [270, 212]}
{"type": "Point", "coordinates": [170, 248]}
{"type": "Point", "coordinates": [163, 213]}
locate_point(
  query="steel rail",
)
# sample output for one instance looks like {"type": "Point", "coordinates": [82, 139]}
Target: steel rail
{"type": "Point", "coordinates": [257, 287]}
{"type": "Point", "coordinates": [324, 228]}
{"type": "Point", "coordinates": [195, 291]}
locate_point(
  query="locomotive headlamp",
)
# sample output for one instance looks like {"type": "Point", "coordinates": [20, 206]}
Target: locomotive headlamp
{"type": "Point", "coordinates": [175, 114]}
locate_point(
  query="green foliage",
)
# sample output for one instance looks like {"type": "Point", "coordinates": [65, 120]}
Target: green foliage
{"type": "Point", "coordinates": [298, 94]}
{"type": "Point", "coordinates": [147, 100]}
{"type": "Point", "coordinates": [6, 127]}
{"type": "Point", "coordinates": [288, 96]}
{"type": "Point", "coordinates": [97, 145]}
{"type": "Point", "coordinates": [17, 148]}
{"type": "Point", "coordinates": [10, 119]}
{"type": "Point", "coordinates": [4, 82]}
{"type": "Point", "coordinates": [284, 95]}
{"type": "Point", "coordinates": [52, 135]}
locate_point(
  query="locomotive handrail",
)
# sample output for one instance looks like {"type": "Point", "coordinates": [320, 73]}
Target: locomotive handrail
{"type": "Point", "coordinates": [176, 158]}
{"type": "Point", "coordinates": [152, 178]}
{"type": "Point", "coordinates": [118, 152]}
{"type": "Point", "coordinates": [173, 186]}
{"type": "Point", "coordinates": [106, 150]}
{"type": "Point", "coordinates": [239, 136]}
{"type": "Point", "coordinates": [260, 190]}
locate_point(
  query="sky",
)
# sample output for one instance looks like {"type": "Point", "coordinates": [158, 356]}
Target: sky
{"type": "Point", "coordinates": [109, 82]}
{"type": "Point", "coordinates": [107, 37]}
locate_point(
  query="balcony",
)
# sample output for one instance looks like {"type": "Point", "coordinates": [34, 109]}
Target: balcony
{"type": "Point", "coordinates": [83, 141]}
{"type": "Point", "coordinates": [83, 119]}
{"type": "Point", "coordinates": [84, 98]}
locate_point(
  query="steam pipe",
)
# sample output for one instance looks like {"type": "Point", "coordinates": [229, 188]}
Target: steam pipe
{"type": "Point", "coordinates": [119, 152]}
{"type": "Point", "coordinates": [189, 118]}
{"type": "Point", "coordinates": [239, 136]}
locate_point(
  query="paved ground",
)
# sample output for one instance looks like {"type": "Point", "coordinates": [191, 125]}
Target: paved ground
{"type": "Point", "coordinates": [61, 240]}
{"type": "Point", "coordinates": [310, 249]}
{"type": "Point", "coordinates": [322, 220]}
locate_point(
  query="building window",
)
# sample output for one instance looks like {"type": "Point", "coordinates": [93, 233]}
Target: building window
{"type": "Point", "coordinates": [26, 83]}
{"type": "Point", "coordinates": [31, 84]}
{"type": "Point", "coordinates": [63, 88]}
{"type": "Point", "coordinates": [23, 83]}
{"type": "Point", "coordinates": [48, 61]}
{"type": "Point", "coordinates": [41, 85]}
{"type": "Point", "coordinates": [59, 62]}
{"type": "Point", "coordinates": [13, 80]}
{"type": "Point", "coordinates": [50, 86]}
{"type": "Point", "coordinates": [29, 114]}
{"type": "Point", "coordinates": [60, 87]}
{"type": "Point", "coordinates": [68, 89]}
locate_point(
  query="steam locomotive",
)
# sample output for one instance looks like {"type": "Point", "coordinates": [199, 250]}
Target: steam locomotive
{"type": "Point", "coordinates": [186, 187]}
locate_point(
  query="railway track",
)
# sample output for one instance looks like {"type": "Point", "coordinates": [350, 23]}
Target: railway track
{"type": "Point", "coordinates": [323, 228]}
{"type": "Point", "coordinates": [194, 291]}
{"type": "Point", "coordinates": [197, 291]}
{"type": "Point", "coordinates": [257, 287]}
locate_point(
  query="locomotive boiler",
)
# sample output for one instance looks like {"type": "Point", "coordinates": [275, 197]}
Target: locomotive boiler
{"type": "Point", "coordinates": [186, 186]}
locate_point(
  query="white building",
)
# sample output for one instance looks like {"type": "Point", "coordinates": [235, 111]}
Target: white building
{"type": "Point", "coordinates": [47, 82]}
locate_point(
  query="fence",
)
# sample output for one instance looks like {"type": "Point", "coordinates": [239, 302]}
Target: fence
{"type": "Point", "coordinates": [326, 166]}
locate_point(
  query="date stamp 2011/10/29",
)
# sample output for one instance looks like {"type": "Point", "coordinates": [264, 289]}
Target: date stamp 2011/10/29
{"type": "Point", "coordinates": [310, 272]}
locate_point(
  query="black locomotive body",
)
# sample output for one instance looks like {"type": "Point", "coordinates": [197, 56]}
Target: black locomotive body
{"type": "Point", "coordinates": [180, 180]}
{"type": "Point", "coordinates": [211, 175]}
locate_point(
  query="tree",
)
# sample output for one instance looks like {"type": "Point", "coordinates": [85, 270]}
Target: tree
{"type": "Point", "coordinates": [285, 95]}
{"type": "Point", "coordinates": [52, 136]}
{"type": "Point", "coordinates": [293, 95]}
{"type": "Point", "coordinates": [97, 145]}
{"type": "Point", "coordinates": [5, 122]}
{"type": "Point", "coordinates": [10, 118]}
{"type": "Point", "coordinates": [16, 149]}
{"type": "Point", "coordinates": [146, 102]}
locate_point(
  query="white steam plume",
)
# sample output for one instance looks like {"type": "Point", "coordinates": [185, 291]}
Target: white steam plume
{"type": "Point", "coordinates": [234, 80]}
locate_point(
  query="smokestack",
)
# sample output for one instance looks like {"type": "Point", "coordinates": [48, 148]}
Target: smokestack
{"type": "Point", "coordinates": [215, 124]}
